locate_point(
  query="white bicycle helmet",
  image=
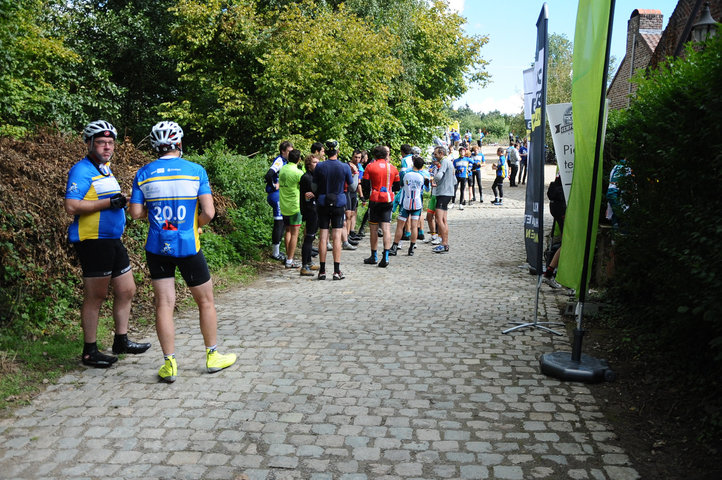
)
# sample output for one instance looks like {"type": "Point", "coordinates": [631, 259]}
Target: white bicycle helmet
{"type": "Point", "coordinates": [98, 128]}
{"type": "Point", "coordinates": [166, 136]}
{"type": "Point", "coordinates": [415, 151]}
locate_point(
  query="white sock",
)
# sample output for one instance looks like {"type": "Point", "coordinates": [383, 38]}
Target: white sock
{"type": "Point", "coordinates": [276, 249]}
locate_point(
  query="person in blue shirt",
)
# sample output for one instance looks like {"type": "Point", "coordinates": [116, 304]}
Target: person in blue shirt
{"type": "Point", "coordinates": [476, 161]}
{"type": "Point", "coordinates": [93, 197]}
{"type": "Point", "coordinates": [501, 173]}
{"type": "Point", "coordinates": [274, 201]}
{"type": "Point", "coordinates": [461, 169]}
{"type": "Point", "coordinates": [455, 139]}
{"type": "Point", "coordinates": [175, 196]}
{"type": "Point", "coordinates": [329, 178]}
{"type": "Point", "coordinates": [523, 155]}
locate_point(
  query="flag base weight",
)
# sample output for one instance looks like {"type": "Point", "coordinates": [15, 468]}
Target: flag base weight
{"type": "Point", "coordinates": [587, 369]}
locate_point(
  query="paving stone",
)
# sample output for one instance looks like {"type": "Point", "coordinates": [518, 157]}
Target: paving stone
{"type": "Point", "coordinates": [399, 390]}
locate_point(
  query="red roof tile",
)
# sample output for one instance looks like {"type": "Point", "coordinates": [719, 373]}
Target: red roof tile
{"type": "Point", "coordinates": [651, 39]}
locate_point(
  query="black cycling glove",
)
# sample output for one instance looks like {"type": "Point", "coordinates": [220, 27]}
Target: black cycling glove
{"type": "Point", "coordinates": [118, 201]}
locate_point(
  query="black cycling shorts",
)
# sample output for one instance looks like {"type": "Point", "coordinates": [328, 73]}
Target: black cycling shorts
{"type": "Point", "coordinates": [442, 202]}
{"type": "Point", "coordinates": [335, 216]}
{"type": "Point", "coordinates": [351, 201]}
{"type": "Point", "coordinates": [104, 257]}
{"type": "Point", "coordinates": [193, 269]}
{"type": "Point", "coordinates": [380, 212]}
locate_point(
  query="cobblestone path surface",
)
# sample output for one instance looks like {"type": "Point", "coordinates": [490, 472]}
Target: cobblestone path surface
{"type": "Point", "coordinates": [396, 373]}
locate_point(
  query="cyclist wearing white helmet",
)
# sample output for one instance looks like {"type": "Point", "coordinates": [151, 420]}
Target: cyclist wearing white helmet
{"type": "Point", "coordinates": [93, 197]}
{"type": "Point", "coordinates": [175, 196]}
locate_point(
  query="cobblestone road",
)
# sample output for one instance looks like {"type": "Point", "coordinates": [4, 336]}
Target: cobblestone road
{"type": "Point", "coordinates": [400, 373]}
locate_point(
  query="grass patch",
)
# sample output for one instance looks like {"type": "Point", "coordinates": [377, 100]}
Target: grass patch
{"type": "Point", "coordinates": [29, 363]}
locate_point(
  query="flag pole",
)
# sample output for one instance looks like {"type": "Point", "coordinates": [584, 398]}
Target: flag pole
{"type": "Point", "coordinates": [538, 164]}
{"type": "Point", "coordinates": [578, 332]}
{"type": "Point", "coordinates": [578, 367]}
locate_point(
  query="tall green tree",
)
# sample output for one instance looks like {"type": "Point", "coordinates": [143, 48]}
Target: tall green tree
{"type": "Point", "coordinates": [41, 82]}
{"type": "Point", "coordinates": [360, 72]}
{"type": "Point", "coordinates": [129, 39]}
{"type": "Point", "coordinates": [559, 69]}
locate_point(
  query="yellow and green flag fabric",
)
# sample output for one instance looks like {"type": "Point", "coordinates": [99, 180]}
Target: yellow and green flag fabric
{"type": "Point", "coordinates": [589, 66]}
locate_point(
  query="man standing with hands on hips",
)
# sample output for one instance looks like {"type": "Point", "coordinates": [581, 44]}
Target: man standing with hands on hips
{"type": "Point", "coordinates": [93, 196]}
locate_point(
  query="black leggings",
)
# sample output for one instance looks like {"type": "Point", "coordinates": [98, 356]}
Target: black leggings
{"type": "Point", "coordinates": [475, 179]}
{"type": "Point", "coordinates": [311, 228]}
{"type": "Point", "coordinates": [498, 184]}
{"type": "Point", "coordinates": [512, 176]}
{"type": "Point", "coordinates": [277, 232]}
{"type": "Point", "coordinates": [461, 184]}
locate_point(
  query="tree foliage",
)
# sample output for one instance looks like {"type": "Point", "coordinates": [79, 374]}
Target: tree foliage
{"type": "Point", "coordinates": [248, 71]}
{"type": "Point", "coordinates": [42, 80]}
{"type": "Point", "coordinates": [128, 41]}
{"type": "Point", "coordinates": [356, 72]}
{"type": "Point", "coordinates": [559, 69]}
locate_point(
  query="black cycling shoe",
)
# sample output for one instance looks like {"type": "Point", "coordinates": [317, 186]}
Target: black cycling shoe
{"type": "Point", "coordinates": [393, 249]}
{"type": "Point", "coordinates": [98, 360]}
{"type": "Point", "coordinates": [383, 263]}
{"type": "Point", "coordinates": [370, 261]}
{"type": "Point", "coordinates": [129, 346]}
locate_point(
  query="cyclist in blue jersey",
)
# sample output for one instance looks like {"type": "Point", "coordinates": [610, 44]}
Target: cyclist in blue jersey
{"type": "Point", "coordinates": [501, 172]}
{"type": "Point", "coordinates": [476, 161]}
{"type": "Point", "coordinates": [461, 167]}
{"type": "Point", "coordinates": [175, 195]}
{"type": "Point", "coordinates": [274, 201]}
{"type": "Point", "coordinates": [93, 197]}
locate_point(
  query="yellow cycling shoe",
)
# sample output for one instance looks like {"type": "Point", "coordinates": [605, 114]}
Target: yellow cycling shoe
{"type": "Point", "coordinates": [215, 362]}
{"type": "Point", "coordinates": [169, 370]}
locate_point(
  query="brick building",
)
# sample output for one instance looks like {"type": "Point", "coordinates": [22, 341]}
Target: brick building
{"type": "Point", "coordinates": [648, 45]}
{"type": "Point", "coordinates": [670, 41]}
{"type": "Point", "coordinates": [644, 31]}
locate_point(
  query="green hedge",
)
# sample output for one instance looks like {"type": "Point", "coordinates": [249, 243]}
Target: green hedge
{"type": "Point", "coordinates": [669, 257]}
{"type": "Point", "coordinates": [242, 229]}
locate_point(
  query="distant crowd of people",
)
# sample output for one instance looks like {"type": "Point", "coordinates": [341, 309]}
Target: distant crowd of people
{"type": "Point", "coordinates": [315, 190]}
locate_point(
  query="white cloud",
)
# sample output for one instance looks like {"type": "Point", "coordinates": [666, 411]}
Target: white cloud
{"type": "Point", "coordinates": [510, 105]}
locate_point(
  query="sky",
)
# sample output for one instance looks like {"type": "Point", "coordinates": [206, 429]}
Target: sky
{"type": "Point", "coordinates": [511, 28]}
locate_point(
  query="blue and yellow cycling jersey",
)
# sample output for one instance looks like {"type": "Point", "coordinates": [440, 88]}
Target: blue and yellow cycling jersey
{"type": "Point", "coordinates": [501, 169]}
{"type": "Point", "coordinates": [169, 188]}
{"type": "Point", "coordinates": [461, 165]}
{"type": "Point", "coordinates": [88, 182]}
